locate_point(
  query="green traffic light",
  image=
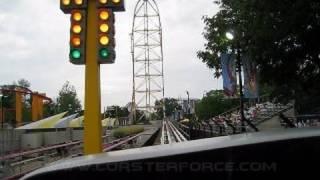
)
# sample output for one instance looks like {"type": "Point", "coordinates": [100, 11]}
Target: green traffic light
{"type": "Point", "coordinates": [104, 53]}
{"type": "Point", "coordinates": [75, 54]}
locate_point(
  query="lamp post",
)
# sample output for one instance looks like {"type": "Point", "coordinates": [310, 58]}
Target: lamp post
{"type": "Point", "coordinates": [188, 107]}
{"type": "Point", "coordinates": [230, 36]}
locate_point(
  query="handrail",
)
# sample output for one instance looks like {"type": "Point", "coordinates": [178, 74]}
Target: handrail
{"type": "Point", "coordinates": [15, 155]}
{"type": "Point", "coordinates": [120, 143]}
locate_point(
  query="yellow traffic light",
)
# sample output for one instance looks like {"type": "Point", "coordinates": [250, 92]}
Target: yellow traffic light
{"type": "Point", "coordinates": [66, 2]}
{"type": "Point", "coordinates": [76, 29]}
{"type": "Point", "coordinates": [77, 16]}
{"type": "Point", "coordinates": [67, 6]}
{"type": "Point", "coordinates": [104, 28]}
{"type": "Point", "coordinates": [104, 15]}
{"type": "Point", "coordinates": [78, 36]}
{"type": "Point", "coordinates": [78, 2]}
{"type": "Point", "coordinates": [104, 40]}
{"type": "Point", "coordinates": [103, 1]}
{"type": "Point", "coordinates": [114, 5]}
{"type": "Point", "coordinates": [106, 53]}
{"type": "Point", "coordinates": [75, 41]}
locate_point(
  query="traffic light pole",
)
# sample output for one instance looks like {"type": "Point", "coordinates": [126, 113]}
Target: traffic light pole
{"type": "Point", "coordinates": [92, 115]}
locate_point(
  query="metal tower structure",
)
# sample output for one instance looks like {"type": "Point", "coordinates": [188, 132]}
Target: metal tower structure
{"type": "Point", "coordinates": [147, 57]}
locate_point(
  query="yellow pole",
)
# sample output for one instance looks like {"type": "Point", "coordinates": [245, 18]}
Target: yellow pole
{"type": "Point", "coordinates": [40, 108]}
{"type": "Point", "coordinates": [18, 109]}
{"type": "Point", "coordinates": [2, 114]}
{"type": "Point", "coordinates": [34, 107]}
{"type": "Point", "coordinates": [92, 115]}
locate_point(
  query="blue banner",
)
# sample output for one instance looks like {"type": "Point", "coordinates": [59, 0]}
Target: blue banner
{"type": "Point", "coordinates": [250, 78]}
{"type": "Point", "coordinates": [229, 74]}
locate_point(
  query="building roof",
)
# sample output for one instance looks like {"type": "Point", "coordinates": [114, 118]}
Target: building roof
{"type": "Point", "coordinates": [59, 121]}
{"type": "Point", "coordinates": [109, 122]}
{"type": "Point", "coordinates": [46, 123]}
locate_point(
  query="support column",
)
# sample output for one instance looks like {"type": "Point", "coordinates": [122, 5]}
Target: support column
{"type": "Point", "coordinates": [92, 112]}
{"type": "Point", "coordinates": [34, 107]}
{"type": "Point", "coordinates": [18, 109]}
{"type": "Point", "coordinates": [2, 115]}
{"type": "Point", "coordinates": [40, 107]}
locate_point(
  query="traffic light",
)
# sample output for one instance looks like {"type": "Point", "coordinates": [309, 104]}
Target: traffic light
{"type": "Point", "coordinates": [115, 5]}
{"type": "Point", "coordinates": [106, 32]}
{"type": "Point", "coordinates": [78, 31]}
{"type": "Point", "coordinates": [68, 5]}
{"type": "Point", "coordinates": [77, 37]}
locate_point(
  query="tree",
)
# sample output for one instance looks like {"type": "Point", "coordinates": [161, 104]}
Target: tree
{"type": "Point", "coordinates": [68, 100]}
{"type": "Point", "coordinates": [213, 104]}
{"type": "Point", "coordinates": [24, 83]}
{"type": "Point", "coordinates": [49, 109]}
{"type": "Point", "coordinates": [170, 104]}
{"type": "Point", "coordinates": [117, 111]}
{"type": "Point", "coordinates": [280, 36]}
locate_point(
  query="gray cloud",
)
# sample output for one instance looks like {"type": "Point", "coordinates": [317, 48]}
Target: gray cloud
{"type": "Point", "coordinates": [34, 37]}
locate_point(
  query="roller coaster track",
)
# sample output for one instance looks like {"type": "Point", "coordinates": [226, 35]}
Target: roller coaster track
{"type": "Point", "coordinates": [170, 134]}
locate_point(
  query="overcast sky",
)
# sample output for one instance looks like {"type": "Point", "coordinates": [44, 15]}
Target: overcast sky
{"type": "Point", "coordinates": [34, 36]}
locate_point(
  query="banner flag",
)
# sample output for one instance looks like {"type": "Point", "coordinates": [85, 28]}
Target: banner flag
{"type": "Point", "coordinates": [250, 78]}
{"type": "Point", "coordinates": [229, 74]}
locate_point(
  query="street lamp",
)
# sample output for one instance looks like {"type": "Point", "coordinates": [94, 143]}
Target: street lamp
{"type": "Point", "coordinates": [230, 36]}
{"type": "Point", "coordinates": [188, 108]}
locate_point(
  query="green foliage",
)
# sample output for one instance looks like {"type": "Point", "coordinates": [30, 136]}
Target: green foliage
{"type": "Point", "coordinates": [68, 100]}
{"type": "Point", "coordinates": [127, 131]}
{"type": "Point", "coordinates": [117, 111]}
{"type": "Point", "coordinates": [49, 109]}
{"type": "Point", "coordinates": [8, 97]}
{"type": "Point", "coordinates": [24, 83]}
{"type": "Point", "coordinates": [214, 104]}
{"type": "Point", "coordinates": [170, 104]}
{"type": "Point", "coordinates": [26, 114]}
{"type": "Point", "coordinates": [282, 37]}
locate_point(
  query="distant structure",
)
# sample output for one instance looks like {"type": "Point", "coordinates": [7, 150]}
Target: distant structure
{"type": "Point", "coordinates": [147, 57]}
{"type": "Point", "coordinates": [17, 94]}
{"type": "Point", "coordinates": [187, 107]}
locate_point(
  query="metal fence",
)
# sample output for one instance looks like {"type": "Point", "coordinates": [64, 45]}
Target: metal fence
{"type": "Point", "coordinates": [9, 140]}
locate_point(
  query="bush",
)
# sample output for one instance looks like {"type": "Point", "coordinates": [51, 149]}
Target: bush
{"type": "Point", "coordinates": [127, 131]}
